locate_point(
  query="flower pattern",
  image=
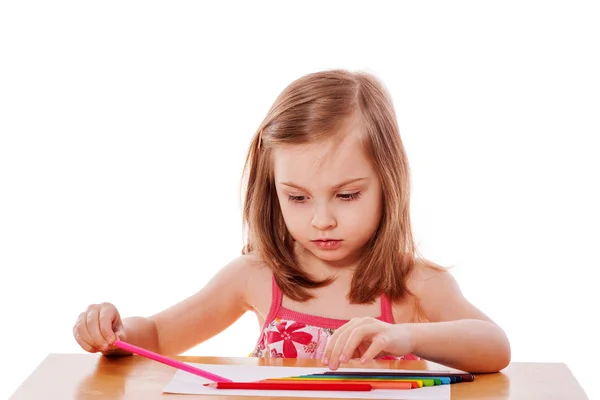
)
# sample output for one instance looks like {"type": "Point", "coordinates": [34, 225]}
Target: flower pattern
{"type": "Point", "coordinates": [289, 335]}
{"type": "Point", "coordinates": [292, 339]}
{"type": "Point", "coordinates": [275, 354]}
{"type": "Point", "coordinates": [311, 347]}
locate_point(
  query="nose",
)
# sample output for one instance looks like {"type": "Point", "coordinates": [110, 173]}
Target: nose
{"type": "Point", "coordinates": [323, 219]}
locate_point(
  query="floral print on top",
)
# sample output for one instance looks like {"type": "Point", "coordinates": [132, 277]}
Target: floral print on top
{"type": "Point", "coordinates": [291, 334]}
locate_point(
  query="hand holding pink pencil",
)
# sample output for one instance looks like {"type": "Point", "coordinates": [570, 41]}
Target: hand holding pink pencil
{"type": "Point", "coordinates": [168, 361]}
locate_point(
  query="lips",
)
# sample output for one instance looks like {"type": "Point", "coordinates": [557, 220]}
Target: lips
{"type": "Point", "coordinates": [327, 244]}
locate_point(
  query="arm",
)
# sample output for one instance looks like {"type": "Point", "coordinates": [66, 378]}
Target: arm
{"type": "Point", "coordinates": [199, 317]}
{"type": "Point", "coordinates": [139, 331]}
{"type": "Point", "coordinates": [203, 315]}
{"type": "Point", "coordinates": [458, 334]}
{"type": "Point", "coordinates": [195, 319]}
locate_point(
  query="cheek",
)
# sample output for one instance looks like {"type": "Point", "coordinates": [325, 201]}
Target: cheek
{"type": "Point", "coordinates": [293, 215]}
{"type": "Point", "coordinates": [366, 216]}
{"type": "Point", "coordinates": [295, 223]}
{"type": "Point", "coordinates": [360, 219]}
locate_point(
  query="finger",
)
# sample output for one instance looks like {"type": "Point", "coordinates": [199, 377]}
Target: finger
{"type": "Point", "coordinates": [84, 345]}
{"type": "Point", "coordinates": [360, 350]}
{"type": "Point", "coordinates": [340, 344]}
{"type": "Point", "coordinates": [359, 335]}
{"type": "Point", "coordinates": [107, 317]}
{"type": "Point", "coordinates": [120, 332]}
{"type": "Point", "coordinates": [93, 327]}
{"type": "Point", "coordinates": [378, 344]}
{"type": "Point", "coordinates": [82, 336]}
{"type": "Point", "coordinates": [331, 344]}
{"type": "Point", "coordinates": [334, 339]}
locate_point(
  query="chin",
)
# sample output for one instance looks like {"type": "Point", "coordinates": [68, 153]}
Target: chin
{"type": "Point", "coordinates": [332, 256]}
{"type": "Point", "coordinates": [328, 256]}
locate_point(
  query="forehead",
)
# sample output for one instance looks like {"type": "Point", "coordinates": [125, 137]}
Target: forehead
{"type": "Point", "coordinates": [322, 164]}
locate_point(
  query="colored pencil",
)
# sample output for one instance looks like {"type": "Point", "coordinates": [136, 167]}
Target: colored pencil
{"type": "Point", "coordinates": [426, 381]}
{"type": "Point", "coordinates": [168, 361]}
{"type": "Point", "coordinates": [354, 387]}
{"type": "Point", "coordinates": [430, 380]}
{"type": "Point", "coordinates": [464, 377]}
{"type": "Point", "coordinates": [400, 385]}
{"type": "Point", "coordinates": [414, 383]}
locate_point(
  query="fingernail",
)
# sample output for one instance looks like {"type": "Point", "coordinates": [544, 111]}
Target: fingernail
{"type": "Point", "coordinates": [343, 358]}
{"type": "Point", "coordinates": [324, 360]}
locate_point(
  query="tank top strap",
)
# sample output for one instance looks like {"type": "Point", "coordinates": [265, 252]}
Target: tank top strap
{"type": "Point", "coordinates": [386, 309]}
{"type": "Point", "coordinates": [276, 299]}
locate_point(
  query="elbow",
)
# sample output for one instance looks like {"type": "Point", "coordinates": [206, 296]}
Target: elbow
{"type": "Point", "coordinates": [505, 355]}
{"type": "Point", "coordinates": [500, 357]}
{"type": "Point", "coordinates": [504, 351]}
{"type": "Point", "coordinates": [493, 353]}
{"type": "Point", "coordinates": [501, 361]}
{"type": "Point", "coordinates": [491, 364]}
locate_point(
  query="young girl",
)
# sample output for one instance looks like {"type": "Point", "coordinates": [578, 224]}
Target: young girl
{"type": "Point", "coordinates": [329, 268]}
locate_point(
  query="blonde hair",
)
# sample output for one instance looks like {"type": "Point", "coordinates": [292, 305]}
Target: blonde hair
{"type": "Point", "coordinates": [310, 109]}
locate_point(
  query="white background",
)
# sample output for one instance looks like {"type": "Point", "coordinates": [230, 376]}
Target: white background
{"type": "Point", "coordinates": [124, 126]}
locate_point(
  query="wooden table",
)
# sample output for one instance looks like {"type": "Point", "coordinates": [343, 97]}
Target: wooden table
{"type": "Point", "coordinates": [90, 376]}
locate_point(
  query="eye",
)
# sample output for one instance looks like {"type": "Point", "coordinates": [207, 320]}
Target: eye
{"type": "Point", "coordinates": [349, 196]}
{"type": "Point", "coordinates": [296, 199]}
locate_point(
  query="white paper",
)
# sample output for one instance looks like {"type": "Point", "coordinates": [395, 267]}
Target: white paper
{"type": "Point", "coordinates": [185, 383]}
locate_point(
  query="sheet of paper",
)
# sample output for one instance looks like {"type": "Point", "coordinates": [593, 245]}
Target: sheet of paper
{"type": "Point", "coordinates": [186, 383]}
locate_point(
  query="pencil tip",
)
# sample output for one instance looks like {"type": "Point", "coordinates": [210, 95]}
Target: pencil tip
{"type": "Point", "coordinates": [213, 385]}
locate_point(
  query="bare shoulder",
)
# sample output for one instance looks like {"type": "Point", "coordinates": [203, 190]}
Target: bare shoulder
{"type": "Point", "coordinates": [428, 276]}
{"type": "Point", "coordinates": [235, 276]}
{"type": "Point", "coordinates": [257, 276]}
{"type": "Point", "coordinates": [246, 265]}
{"type": "Point", "coordinates": [438, 294]}
{"type": "Point", "coordinates": [253, 266]}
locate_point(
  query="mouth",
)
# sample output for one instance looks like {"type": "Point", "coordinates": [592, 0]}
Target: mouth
{"type": "Point", "coordinates": [327, 244]}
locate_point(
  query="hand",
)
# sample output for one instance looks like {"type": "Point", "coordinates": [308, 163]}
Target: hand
{"type": "Point", "coordinates": [366, 338]}
{"type": "Point", "coordinates": [98, 327]}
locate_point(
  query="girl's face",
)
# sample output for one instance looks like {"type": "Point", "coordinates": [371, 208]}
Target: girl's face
{"type": "Point", "coordinates": [330, 196]}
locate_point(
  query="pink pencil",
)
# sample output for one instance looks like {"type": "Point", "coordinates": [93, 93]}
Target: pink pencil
{"type": "Point", "coordinates": [173, 363]}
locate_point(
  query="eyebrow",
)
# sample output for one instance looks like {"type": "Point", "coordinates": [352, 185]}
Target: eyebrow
{"type": "Point", "coordinates": [342, 184]}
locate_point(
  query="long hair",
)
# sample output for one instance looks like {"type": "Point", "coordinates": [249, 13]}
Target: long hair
{"type": "Point", "coordinates": [310, 109]}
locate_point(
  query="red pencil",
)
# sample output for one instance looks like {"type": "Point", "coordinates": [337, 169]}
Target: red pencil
{"type": "Point", "coordinates": [354, 387]}
{"type": "Point", "coordinates": [374, 384]}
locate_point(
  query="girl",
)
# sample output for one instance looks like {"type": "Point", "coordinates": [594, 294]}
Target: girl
{"type": "Point", "coordinates": [329, 268]}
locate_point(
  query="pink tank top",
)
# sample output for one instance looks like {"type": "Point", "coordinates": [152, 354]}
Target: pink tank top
{"type": "Point", "coordinates": [291, 334]}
